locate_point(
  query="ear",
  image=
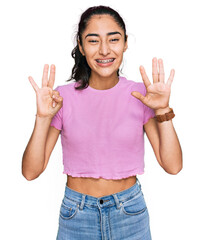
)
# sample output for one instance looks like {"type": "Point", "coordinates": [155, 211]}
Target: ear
{"type": "Point", "coordinates": [126, 44]}
{"type": "Point", "coordinates": [81, 48]}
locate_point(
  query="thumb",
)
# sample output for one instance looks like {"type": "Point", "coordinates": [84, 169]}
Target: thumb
{"type": "Point", "coordinates": [138, 95]}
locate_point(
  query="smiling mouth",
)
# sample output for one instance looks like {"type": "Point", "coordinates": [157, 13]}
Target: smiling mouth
{"type": "Point", "coordinates": [105, 60]}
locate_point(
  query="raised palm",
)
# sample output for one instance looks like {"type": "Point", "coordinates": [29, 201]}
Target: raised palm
{"type": "Point", "coordinates": [48, 100]}
{"type": "Point", "coordinates": [157, 94]}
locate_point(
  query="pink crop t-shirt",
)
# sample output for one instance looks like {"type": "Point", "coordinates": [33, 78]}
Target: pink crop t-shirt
{"type": "Point", "coordinates": [102, 131]}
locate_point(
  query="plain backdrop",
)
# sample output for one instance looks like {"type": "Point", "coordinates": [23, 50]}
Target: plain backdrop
{"type": "Point", "coordinates": [34, 33]}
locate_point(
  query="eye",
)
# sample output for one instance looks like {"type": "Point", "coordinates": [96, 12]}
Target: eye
{"type": "Point", "coordinates": [93, 41]}
{"type": "Point", "coordinates": [114, 40]}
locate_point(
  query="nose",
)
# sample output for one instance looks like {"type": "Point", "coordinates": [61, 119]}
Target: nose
{"type": "Point", "coordinates": [104, 48]}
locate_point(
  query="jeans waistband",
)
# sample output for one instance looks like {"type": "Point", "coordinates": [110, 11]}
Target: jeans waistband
{"type": "Point", "coordinates": [104, 201]}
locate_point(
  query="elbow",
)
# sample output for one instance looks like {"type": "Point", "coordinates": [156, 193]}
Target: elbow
{"type": "Point", "coordinates": [30, 173]}
{"type": "Point", "coordinates": [29, 176]}
{"type": "Point", "coordinates": [26, 176]}
{"type": "Point", "coordinates": [175, 167]}
{"type": "Point", "coordinates": [174, 171]}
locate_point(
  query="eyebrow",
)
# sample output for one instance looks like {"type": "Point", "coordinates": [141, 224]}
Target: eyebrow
{"type": "Point", "coordinates": [97, 35]}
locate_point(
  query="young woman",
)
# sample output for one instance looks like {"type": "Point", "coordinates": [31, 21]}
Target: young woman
{"type": "Point", "coordinates": [102, 118]}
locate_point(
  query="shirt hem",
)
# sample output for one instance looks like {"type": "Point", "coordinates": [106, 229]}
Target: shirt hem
{"type": "Point", "coordinates": [55, 126]}
{"type": "Point", "coordinates": [103, 176]}
{"type": "Point", "coordinates": [152, 116]}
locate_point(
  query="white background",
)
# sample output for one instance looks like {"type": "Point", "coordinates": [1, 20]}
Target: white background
{"type": "Point", "coordinates": [34, 33]}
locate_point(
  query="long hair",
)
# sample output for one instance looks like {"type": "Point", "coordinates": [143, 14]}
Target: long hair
{"type": "Point", "coordinates": [81, 71]}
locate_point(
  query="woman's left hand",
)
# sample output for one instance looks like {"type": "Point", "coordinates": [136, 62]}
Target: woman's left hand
{"type": "Point", "coordinates": [158, 93]}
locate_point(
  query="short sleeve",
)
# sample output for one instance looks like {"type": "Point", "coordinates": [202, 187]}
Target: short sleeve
{"type": "Point", "coordinates": [57, 119]}
{"type": "Point", "coordinates": [148, 112]}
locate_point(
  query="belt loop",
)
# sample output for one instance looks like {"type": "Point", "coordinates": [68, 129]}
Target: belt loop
{"type": "Point", "coordinates": [116, 201]}
{"type": "Point", "coordinates": [138, 182]}
{"type": "Point", "coordinates": [82, 202]}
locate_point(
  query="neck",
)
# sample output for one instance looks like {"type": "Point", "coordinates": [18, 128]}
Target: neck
{"type": "Point", "coordinates": [103, 83]}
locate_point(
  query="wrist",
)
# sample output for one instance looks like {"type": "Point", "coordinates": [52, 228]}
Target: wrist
{"type": "Point", "coordinates": [43, 116]}
{"type": "Point", "coordinates": [37, 116]}
{"type": "Point", "coordinates": [161, 111]}
{"type": "Point", "coordinates": [42, 122]}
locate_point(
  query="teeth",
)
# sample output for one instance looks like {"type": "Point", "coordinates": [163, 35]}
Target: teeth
{"type": "Point", "coordinates": [105, 61]}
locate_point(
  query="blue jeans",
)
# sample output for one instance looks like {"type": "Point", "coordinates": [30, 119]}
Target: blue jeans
{"type": "Point", "coordinates": [119, 216]}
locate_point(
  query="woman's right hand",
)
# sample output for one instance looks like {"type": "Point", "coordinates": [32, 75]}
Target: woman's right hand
{"type": "Point", "coordinates": [49, 101]}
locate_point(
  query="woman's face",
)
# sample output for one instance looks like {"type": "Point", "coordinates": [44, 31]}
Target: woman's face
{"type": "Point", "coordinates": [103, 44]}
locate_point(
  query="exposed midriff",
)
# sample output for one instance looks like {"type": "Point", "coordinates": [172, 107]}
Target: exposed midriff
{"type": "Point", "coordinates": [99, 187]}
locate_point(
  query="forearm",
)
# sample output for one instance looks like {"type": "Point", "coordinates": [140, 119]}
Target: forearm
{"type": "Point", "coordinates": [34, 154]}
{"type": "Point", "coordinates": [169, 146]}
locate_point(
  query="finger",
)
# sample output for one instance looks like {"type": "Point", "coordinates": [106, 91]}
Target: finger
{"type": "Point", "coordinates": [34, 85]}
{"type": "Point", "coordinates": [144, 77]}
{"type": "Point", "coordinates": [154, 70]}
{"type": "Point", "coordinates": [45, 75]}
{"type": "Point", "coordinates": [57, 98]}
{"type": "Point", "coordinates": [54, 92]}
{"type": "Point", "coordinates": [57, 101]}
{"type": "Point", "coordinates": [138, 95]}
{"type": "Point", "coordinates": [161, 71]}
{"type": "Point", "coordinates": [171, 77]}
{"type": "Point", "coordinates": [52, 76]}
